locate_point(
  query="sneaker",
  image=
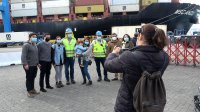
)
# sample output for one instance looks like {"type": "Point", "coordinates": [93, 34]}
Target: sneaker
{"type": "Point", "coordinates": [107, 80]}
{"type": "Point", "coordinates": [49, 87]}
{"type": "Point", "coordinates": [30, 95]}
{"type": "Point", "coordinates": [67, 83]}
{"type": "Point", "coordinates": [58, 85]}
{"type": "Point", "coordinates": [73, 82]}
{"type": "Point", "coordinates": [99, 80]}
{"type": "Point", "coordinates": [89, 83]}
{"type": "Point", "coordinates": [115, 79]}
{"type": "Point", "coordinates": [43, 90]}
{"type": "Point", "coordinates": [34, 92]}
{"type": "Point", "coordinates": [61, 84]}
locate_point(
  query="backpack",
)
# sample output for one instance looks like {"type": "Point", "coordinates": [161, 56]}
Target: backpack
{"type": "Point", "coordinates": [197, 103]}
{"type": "Point", "coordinates": [150, 94]}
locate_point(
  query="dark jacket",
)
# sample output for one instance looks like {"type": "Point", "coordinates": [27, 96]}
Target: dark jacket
{"type": "Point", "coordinates": [130, 63]}
{"type": "Point", "coordinates": [128, 45]}
{"type": "Point", "coordinates": [134, 40]}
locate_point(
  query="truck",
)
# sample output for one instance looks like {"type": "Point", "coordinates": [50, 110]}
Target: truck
{"type": "Point", "coordinates": [131, 30]}
{"type": "Point", "coordinates": [13, 38]}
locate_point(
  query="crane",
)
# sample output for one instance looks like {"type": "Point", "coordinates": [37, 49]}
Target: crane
{"type": "Point", "coordinates": [5, 10]}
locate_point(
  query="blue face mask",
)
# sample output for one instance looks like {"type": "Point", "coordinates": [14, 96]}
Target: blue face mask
{"type": "Point", "coordinates": [98, 38]}
{"type": "Point", "coordinates": [34, 40]}
{"type": "Point", "coordinates": [58, 41]}
{"type": "Point", "coordinates": [87, 43]}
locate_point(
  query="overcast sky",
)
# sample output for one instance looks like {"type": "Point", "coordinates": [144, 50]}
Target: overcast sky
{"type": "Point", "coordinates": [191, 1]}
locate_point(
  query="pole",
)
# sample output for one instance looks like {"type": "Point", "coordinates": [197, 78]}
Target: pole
{"type": "Point", "coordinates": [5, 10]}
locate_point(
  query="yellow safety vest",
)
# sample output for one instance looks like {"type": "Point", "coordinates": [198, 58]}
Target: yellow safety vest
{"type": "Point", "coordinates": [99, 49]}
{"type": "Point", "coordinates": [69, 47]}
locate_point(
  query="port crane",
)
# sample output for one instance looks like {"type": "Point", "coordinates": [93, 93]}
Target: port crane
{"type": "Point", "coordinates": [5, 10]}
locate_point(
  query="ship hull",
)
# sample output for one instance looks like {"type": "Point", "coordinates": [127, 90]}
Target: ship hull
{"type": "Point", "coordinates": [174, 15]}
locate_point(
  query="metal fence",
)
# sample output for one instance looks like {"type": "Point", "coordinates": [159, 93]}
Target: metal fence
{"type": "Point", "coordinates": [184, 51]}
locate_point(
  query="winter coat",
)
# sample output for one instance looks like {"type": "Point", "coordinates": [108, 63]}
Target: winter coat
{"type": "Point", "coordinates": [150, 58]}
{"type": "Point", "coordinates": [112, 44]}
{"type": "Point", "coordinates": [127, 45]}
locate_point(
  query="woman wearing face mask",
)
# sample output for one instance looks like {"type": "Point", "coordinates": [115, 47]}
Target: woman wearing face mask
{"type": "Point", "coordinates": [147, 56]}
{"type": "Point", "coordinates": [114, 42]}
{"type": "Point", "coordinates": [86, 59]}
{"type": "Point", "coordinates": [127, 43]}
{"type": "Point", "coordinates": [58, 57]}
{"type": "Point", "coordinates": [30, 62]}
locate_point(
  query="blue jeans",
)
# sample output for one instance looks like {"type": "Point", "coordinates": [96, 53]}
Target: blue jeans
{"type": "Point", "coordinates": [84, 70]}
{"type": "Point", "coordinates": [69, 63]}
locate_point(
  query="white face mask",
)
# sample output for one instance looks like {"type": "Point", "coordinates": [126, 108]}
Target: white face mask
{"type": "Point", "coordinates": [58, 41]}
{"type": "Point", "coordinates": [114, 38]}
{"type": "Point", "coordinates": [98, 38]}
{"type": "Point", "coordinates": [126, 39]}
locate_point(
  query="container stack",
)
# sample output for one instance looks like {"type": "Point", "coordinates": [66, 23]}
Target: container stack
{"type": "Point", "coordinates": [23, 8]}
{"type": "Point", "coordinates": [55, 7]}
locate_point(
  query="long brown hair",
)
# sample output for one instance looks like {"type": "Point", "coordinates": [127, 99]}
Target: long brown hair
{"type": "Point", "coordinates": [154, 36]}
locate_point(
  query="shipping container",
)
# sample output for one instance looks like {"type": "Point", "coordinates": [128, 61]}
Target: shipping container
{"type": "Point", "coordinates": [12, 38]}
{"type": "Point", "coordinates": [88, 2]}
{"type": "Point", "coordinates": [92, 8]}
{"type": "Point", "coordinates": [22, 1]}
{"type": "Point", "coordinates": [124, 8]}
{"type": "Point", "coordinates": [55, 10]}
{"type": "Point", "coordinates": [148, 2]}
{"type": "Point", "coordinates": [123, 2]}
{"type": "Point", "coordinates": [164, 1]}
{"type": "Point", "coordinates": [24, 6]}
{"type": "Point", "coordinates": [55, 3]}
{"type": "Point", "coordinates": [23, 13]}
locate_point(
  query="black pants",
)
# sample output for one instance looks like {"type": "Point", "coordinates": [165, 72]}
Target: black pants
{"type": "Point", "coordinates": [45, 71]}
{"type": "Point", "coordinates": [99, 61]}
{"type": "Point", "coordinates": [30, 77]}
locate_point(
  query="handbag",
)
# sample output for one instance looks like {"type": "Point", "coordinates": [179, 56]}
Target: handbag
{"type": "Point", "coordinates": [90, 62]}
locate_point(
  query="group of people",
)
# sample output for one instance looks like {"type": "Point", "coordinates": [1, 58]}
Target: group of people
{"type": "Point", "coordinates": [127, 58]}
{"type": "Point", "coordinates": [44, 54]}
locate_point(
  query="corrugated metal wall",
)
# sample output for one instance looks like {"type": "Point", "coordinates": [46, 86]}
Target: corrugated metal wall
{"type": "Point", "coordinates": [22, 1]}
{"type": "Point", "coordinates": [148, 2]}
{"type": "Point", "coordinates": [164, 1]}
{"type": "Point", "coordinates": [88, 2]}
{"type": "Point", "coordinates": [87, 9]}
{"type": "Point", "coordinates": [51, 7]}
{"type": "Point", "coordinates": [124, 8]}
{"type": "Point", "coordinates": [123, 2]}
{"type": "Point", "coordinates": [124, 5]}
{"type": "Point", "coordinates": [24, 9]}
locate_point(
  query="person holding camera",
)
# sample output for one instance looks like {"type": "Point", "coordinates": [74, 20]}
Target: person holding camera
{"type": "Point", "coordinates": [148, 55]}
{"type": "Point", "coordinates": [114, 42]}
